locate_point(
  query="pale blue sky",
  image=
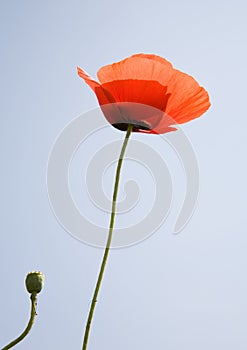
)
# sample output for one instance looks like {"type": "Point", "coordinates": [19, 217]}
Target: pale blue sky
{"type": "Point", "coordinates": [169, 292]}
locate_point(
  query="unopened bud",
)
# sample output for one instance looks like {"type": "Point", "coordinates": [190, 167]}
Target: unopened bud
{"type": "Point", "coordinates": [34, 281]}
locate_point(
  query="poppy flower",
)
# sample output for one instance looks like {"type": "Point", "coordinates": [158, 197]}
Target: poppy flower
{"type": "Point", "coordinates": [146, 91]}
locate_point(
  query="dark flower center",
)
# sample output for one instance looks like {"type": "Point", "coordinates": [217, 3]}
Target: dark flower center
{"type": "Point", "coordinates": [136, 126]}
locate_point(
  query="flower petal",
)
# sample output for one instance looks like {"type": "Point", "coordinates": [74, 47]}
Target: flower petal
{"type": "Point", "coordinates": [163, 129]}
{"type": "Point", "coordinates": [103, 95]}
{"type": "Point", "coordinates": [188, 100]}
{"type": "Point", "coordinates": [86, 77]}
{"type": "Point", "coordinates": [142, 116]}
{"type": "Point", "coordinates": [140, 67]}
{"type": "Point", "coordinates": [146, 92]}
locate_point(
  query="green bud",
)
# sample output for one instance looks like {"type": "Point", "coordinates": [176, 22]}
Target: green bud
{"type": "Point", "coordinates": [34, 281]}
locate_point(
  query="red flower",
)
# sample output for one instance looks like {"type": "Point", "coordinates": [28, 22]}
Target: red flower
{"type": "Point", "coordinates": [146, 91]}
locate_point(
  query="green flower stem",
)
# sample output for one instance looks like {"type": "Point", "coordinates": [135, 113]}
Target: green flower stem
{"type": "Point", "coordinates": [30, 323]}
{"type": "Point", "coordinates": [109, 239]}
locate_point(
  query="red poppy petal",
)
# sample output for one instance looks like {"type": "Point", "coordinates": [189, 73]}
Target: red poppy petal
{"type": "Point", "coordinates": [188, 99]}
{"type": "Point", "coordinates": [163, 129]}
{"type": "Point", "coordinates": [146, 92]}
{"type": "Point", "coordinates": [141, 116]}
{"type": "Point", "coordinates": [140, 67]}
{"type": "Point", "coordinates": [103, 95]}
{"type": "Point", "coordinates": [86, 77]}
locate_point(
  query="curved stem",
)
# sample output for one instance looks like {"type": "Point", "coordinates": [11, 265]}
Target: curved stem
{"type": "Point", "coordinates": [30, 323]}
{"type": "Point", "coordinates": [109, 239]}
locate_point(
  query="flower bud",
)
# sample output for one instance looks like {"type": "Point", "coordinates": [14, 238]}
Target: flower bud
{"type": "Point", "coordinates": [34, 281]}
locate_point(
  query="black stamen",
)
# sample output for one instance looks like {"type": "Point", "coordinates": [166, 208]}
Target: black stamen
{"type": "Point", "coordinates": [136, 126]}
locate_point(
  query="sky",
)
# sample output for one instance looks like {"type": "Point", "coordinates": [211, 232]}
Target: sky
{"type": "Point", "coordinates": [171, 291]}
